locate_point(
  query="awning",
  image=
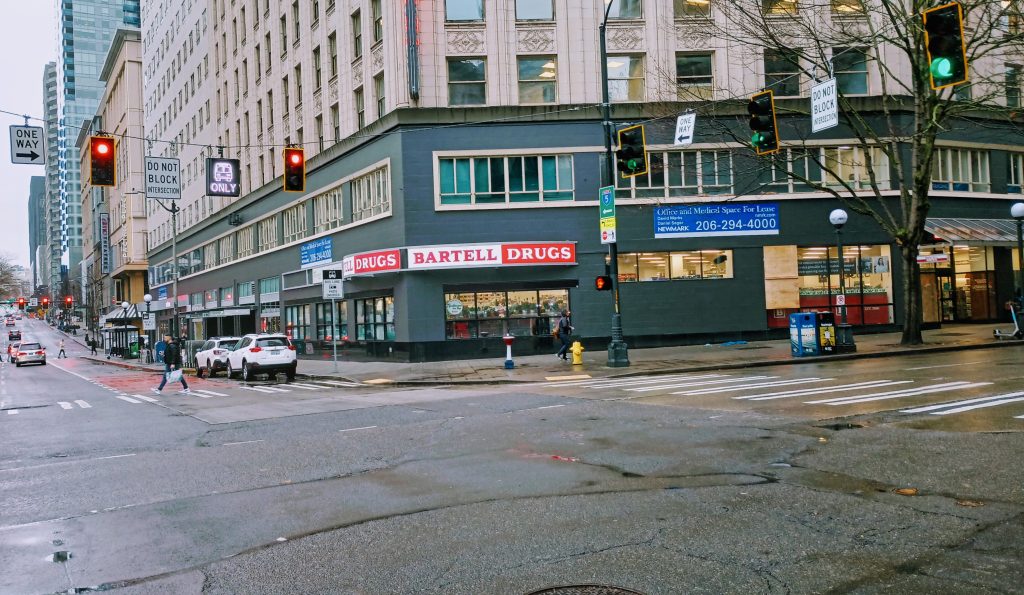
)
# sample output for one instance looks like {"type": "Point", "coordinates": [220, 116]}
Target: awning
{"type": "Point", "coordinates": [973, 232]}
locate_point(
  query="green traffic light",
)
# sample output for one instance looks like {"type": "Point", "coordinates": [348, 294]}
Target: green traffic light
{"type": "Point", "coordinates": [942, 68]}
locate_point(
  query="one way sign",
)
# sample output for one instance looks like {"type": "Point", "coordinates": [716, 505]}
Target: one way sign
{"type": "Point", "coordinates": [27, 145]}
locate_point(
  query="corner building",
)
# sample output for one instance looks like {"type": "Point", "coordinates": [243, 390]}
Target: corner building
{"type": "Point", "coordinates": [454, 156]}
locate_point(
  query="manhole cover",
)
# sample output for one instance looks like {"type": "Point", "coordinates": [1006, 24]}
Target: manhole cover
{"type": "Point", "coordinates": [585, 590]}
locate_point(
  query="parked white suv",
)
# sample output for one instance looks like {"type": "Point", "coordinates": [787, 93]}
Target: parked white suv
{"type": "Point", "coordinates": [262, 354]}
{"type": "Point", "coordinates": [213, 355]}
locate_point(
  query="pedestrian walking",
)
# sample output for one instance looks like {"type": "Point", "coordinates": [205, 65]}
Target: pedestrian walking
{"type": "Point", "coordinates": [61, 353]}
{"type": "Point", "coordinates": [172, 363]}
{"type": "Point", "coordinates": [92, 346]}
{"type": "Point", "coordinates": [563, 330]}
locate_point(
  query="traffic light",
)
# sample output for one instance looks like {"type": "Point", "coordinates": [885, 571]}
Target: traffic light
{"type": "Point", "coordinates": [21, 303]}
{"type": "Point", "coordinates": [46, 303]}
{"type": "Point", "coordinates": [103, 161]}
{"type": "Point", "coordinates": [944, 38]}
{"type": "Point", "coordinates": [294, 170]}
{"type": "Point", "coordinates": [765, 137]}
{"type": "Point", "coordinates": [69, 301]}
{"type": "Point", "coordinates": [631, 155]}
{"type": "Point", "coordinates": [603, 283]}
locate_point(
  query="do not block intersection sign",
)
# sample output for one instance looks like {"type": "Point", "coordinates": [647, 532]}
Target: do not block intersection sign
{"type": "Point", "coordinates": [27, 145]}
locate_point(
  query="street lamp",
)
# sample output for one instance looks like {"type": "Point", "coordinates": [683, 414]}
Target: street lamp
{"type": "Point", "coordinates": [124, 308]}
{"type": "Point", "coordinates": [148, 298]}
{"type": "Point", "coordinates": [844, 333]}
{"type": "Point", "coordinates": [1017, 212]}
{"type": "Point", "coordinates": [618, 351]}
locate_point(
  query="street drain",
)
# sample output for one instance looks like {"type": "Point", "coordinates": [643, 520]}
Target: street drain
{"type": "Point", "coordinates": [842, 426]}
{"type": "Point", "coordinates": [585, 590]}
{"type": "Point", "coordinates": [60, 557]}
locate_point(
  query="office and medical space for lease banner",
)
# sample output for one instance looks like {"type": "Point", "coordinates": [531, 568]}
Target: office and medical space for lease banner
{"type": "Point", "coordinates": [721, 219]}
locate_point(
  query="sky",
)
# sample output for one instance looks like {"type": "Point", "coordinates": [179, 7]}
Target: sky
{"type": "Point", "coordinates": [27, 42]}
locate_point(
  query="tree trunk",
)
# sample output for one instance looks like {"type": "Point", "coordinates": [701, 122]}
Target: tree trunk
{"type": "Point", "coordinates": [911, 295]}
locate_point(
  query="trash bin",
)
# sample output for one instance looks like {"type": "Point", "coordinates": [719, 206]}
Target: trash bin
{"type": "Point", "coordinates": [826, 333]}
{"type": "Point", "coordinates": [803, 334]}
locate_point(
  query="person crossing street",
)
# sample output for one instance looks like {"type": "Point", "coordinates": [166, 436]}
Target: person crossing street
{"type": "Point", "coordinates": [61, 353]}
{"type": "Point", "coordinates": [172, 362]}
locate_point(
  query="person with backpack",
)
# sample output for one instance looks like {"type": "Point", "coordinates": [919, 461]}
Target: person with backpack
{"type": "Point", "coordinates": [564, 333]}
{"type": "Point", "coordinates": [172, 362]}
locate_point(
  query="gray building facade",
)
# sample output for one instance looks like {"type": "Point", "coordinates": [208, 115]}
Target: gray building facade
{"type": "Point", "coordinates": [36, 226]}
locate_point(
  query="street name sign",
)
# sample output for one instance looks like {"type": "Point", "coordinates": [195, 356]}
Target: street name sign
{"type": "Point", "coordinates": [607, 211]}
{"type": "Point", "coordinates": [27, 145]}
{"type": "Point", "coordinates": [163, 178]}
{"type": "Point", "coordinates": [824, 106]}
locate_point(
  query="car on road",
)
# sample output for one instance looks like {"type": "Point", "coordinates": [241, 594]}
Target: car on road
{"type": "Point", "coordinates": [213, 355]}
{"type": "Point", "coordinates": [264, 353]}
{"type": "Point", "coordinates": [9, 322]}
{"type": "Point", "coordinates": [14, 335]}
{"type": "Point", "coordinates": [30, 353]}
{"type": "Point", "coordinates": [12, 351]}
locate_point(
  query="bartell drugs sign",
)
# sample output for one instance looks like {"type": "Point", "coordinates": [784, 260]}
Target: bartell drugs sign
{"type": "Point", "coordinates": [366, 263]}
{"type": "Point", "coordinates": [458, 256]}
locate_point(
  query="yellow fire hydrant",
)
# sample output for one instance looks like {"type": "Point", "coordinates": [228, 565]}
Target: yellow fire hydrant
{"type": "Point", "coordinates": [577, 353]}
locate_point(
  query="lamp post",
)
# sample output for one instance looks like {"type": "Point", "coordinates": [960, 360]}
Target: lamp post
{"type": "Point", "coordinates": [1017, 212]}
{"type": "Point", "coordinates": [618, 351]}
{"type": "Point", "coordinates": [844, 334]}
{"type": "Point", "coordinates": [148, 298]}
{"type": "Point", "coordinates": [124, 349]}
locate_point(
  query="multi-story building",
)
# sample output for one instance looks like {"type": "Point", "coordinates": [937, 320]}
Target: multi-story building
{"type": "Point", "coordinates": [455, 152]}
{"type": "Point", "coordinates": [36, 226]}
{"type": "Point", "coordinates": [115, 229]}
{"type": "Point", "coordinates": [85, 28]}
{"type": "Point", "coordinates": [50, 252]}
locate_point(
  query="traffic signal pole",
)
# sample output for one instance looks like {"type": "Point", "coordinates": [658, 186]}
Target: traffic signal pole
{"type": "Point", "coordinates": [618, 353]}
{"type": "Point", "coordinates": [173, 210]}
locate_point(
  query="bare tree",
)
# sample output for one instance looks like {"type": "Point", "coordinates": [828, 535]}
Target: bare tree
{"type": "Point", "coordinates": [896, 127]}
{"type": "Point", "coordinates": [10, 281]}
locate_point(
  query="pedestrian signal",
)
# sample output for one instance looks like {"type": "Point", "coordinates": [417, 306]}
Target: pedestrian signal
{"type": "Point", "coordinates": [603, 283]}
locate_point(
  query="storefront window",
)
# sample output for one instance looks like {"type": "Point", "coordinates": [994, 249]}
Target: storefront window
{"type": "Point", "coordinates": [493, 313]}
{"type": "Point", "coordinates": [867, 274]}
{"type": "Point", "coordinates": [297, 321]}
{"type": "Point", "coordinates": [326, 328]}
{"type": "Point", "coordinates": [270, 317]}
{"type": "Point", "coordinates": [975, 283]}
{"type": "Point", "coordinates": [375, 319]}
{"type": "Point", "coordinates": [662, 266]}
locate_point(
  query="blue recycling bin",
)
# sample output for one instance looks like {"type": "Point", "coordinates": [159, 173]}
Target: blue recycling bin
{"type": "Point", "coordinates": [803, 334]}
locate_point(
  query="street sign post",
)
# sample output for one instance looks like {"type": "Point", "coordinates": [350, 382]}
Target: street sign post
{"type": "Point", "coordinates": [684, 129]}
{"type": "Point", "coordinates": [27, 145]}
{"type": "Point", "coordinates": [163, 178]}
{"type": "Point", "coordinates": [148, 321]}
{"type": "Point", "coordinates": [824, 106]}
{"type": "Point", "coordinates": [606, 208]}
{"type": "Point", "coordinates": [333, 289]}
{"type": "Point", "coordinates": [33, 302]}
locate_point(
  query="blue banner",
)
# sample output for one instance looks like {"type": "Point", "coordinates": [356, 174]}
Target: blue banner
{"type": "Point", "coordinates": [724, 219]}
{"type": "Point", "coordinates": [316, 252]}
{"type": "Point", "coordinates": [161, 293]}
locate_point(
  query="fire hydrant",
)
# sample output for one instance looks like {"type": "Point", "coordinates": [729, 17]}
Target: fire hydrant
{"type": "Point", "coordinates": [577, 353]}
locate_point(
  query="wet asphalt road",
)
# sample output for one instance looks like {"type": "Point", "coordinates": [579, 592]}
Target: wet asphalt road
{"type": "Point", "coordinates": [511, 489]}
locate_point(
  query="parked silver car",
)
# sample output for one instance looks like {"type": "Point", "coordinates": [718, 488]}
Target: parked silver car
{"type": "Point", "coordinates": [30, 353]}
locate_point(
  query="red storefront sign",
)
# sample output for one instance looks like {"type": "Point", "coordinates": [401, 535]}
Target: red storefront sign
{"type": "Point", "coordinates": [459, 256]}
{"type": "Point", "coordinates": [539, 253]}
{"type": "Point", "coordinates": [365, 263]}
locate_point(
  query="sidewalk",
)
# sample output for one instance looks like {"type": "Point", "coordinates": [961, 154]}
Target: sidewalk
{"type": "Point", "coordinates": [660, 360]}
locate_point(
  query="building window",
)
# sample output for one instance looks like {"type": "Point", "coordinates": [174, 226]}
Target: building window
{"type": "Point", "coordinates": [523, 313]}
{"type": "Point", "coordinates": [316, 68]}
{"type": "Point", "coordinates": [375, 319]}
{"type": "Point", "coordinates": [673, 174]}
{"type": "Point", "coordinates": [284, 35]}
{"type": "Point", "coordinates": [378, 90]}
{"type": "Point", "coordinates": [961, 170]}
{"type": "Point", "coordinates": [360, 104]}
{"type": "Point", "coordinates": [298, 86]}
{"type": "Point", "coordinates": [224, 250]}
{"type": "Point", "coordinates": [315, 12]}
{"type": "Point", "coordinates": [694, 76]}
{"type": "Point", "coordinates": [332, 326]}
{"type": "Point", "coordinates": [505, 180]}
{"type": "Point", "coordinates": [692, 8]}
{"type": "Point", "coordinates": [245, 290]}
{"type": "Point", "coordinates": [626, 78]}
{"type": "Point", "coordinates": [270, 285]}
{"type": "Point", "coordinates": [1012, 83]}
{"type": "Point", "coordinates": [371, 194]}
{"type": "Point", "coordinates": [665, 266]}
{"type": "Point", "coordinates": [227, 297]}
{"type": "Point", "coordinates": [357, 35]}
{"type": "Point", "coordinates": [377, 12]}
{"type": "Point", "coordinates": [327, 210]}
{"type": "Point", "coordinates": [332, 47]}
{"type": "Point", "coordinates": [466, 81]}
{"type": "Point", "coordinates": [538, 82]}
{"type": "Point", "coordinates": [626, 9]}
{"type": "Point", "coordinates": [295, 21]}
{"type": "Point", "coordinates": [297, 320]}
{"type": "Point", "coordinates": [210, 255]}
{"type": "Point", "coordinates": [1015, 177]}
{"type": "Point", "coordinates": [844, 7]}
{"type": "Point", "coordinates": [464, 10]}
{"type": "Point", "coordinates": [294, 223]}
{"type": "Point", "coordinates": [267, 234]}
{"type": "Point", "coordinates": [243, 241]}
{"type": "Point", "coordinates": [851, 70]}
{"type": "Point", "coordinates": [778, 7]}
{"type": "Point", "coordinates": [285, 100]}
{"type": "Point", "coordinates": [847, 166]}
{"type": "Point", "coordinates": [335, 123]}
{"type": "Point", "coordinates": [535, 10]}
{"type": "Point", "coordinates": [782, 72]}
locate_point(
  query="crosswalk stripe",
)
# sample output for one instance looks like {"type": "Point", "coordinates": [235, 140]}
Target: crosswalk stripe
{"type": "Point", "coordinates": [969, 404]}
{"type": "Point", "coordinates": [145, 398]}
{"type": "Point", "coordinates": [275, 389]}
{"type": "Point", "coordinates": [304, 386]}
{"type": "Point", "coordinates": [203, 392]}
{"type": "Point", "coordinates": [12, 412]}
{"type": "Point", "coordinates": [708, 391]}
{"type": "Point", "coordinates": [822, 390]}
{"type": "Point", "coordinates": [597, 382]}
{"type": "Point", "coordinates": [127, 399]}
{"type": "Point", "coordinates": [892, 392]}
{"type": "Point", "coordinates": [701, 383]}
{"type": "Point", "coordinates": [64, 405]}
{"type": "Point", "coordinates": [83, 404]}
{"type": "Point", "coordinates": [633, 382]}
{"type": "Point", "coordinates": [938, 388]}
{"type": "Point", "coordinates": [256, 389]}
{"type": "Point", "coordinates": [338, 383]}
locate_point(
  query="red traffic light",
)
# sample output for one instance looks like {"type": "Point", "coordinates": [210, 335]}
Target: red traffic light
{"type": "Point", "coordinates": [68, 300]}
{"type": "Point", "coordinates": [294, 170]}
{"type": "Point", "coordinates": [103, 161]}
{"type": "Point", "coordinates": [46, 301]}
{"type": "Point", "coordinates": [21, 301]}
{"type": "Point", "coordinates": [603, 283]}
